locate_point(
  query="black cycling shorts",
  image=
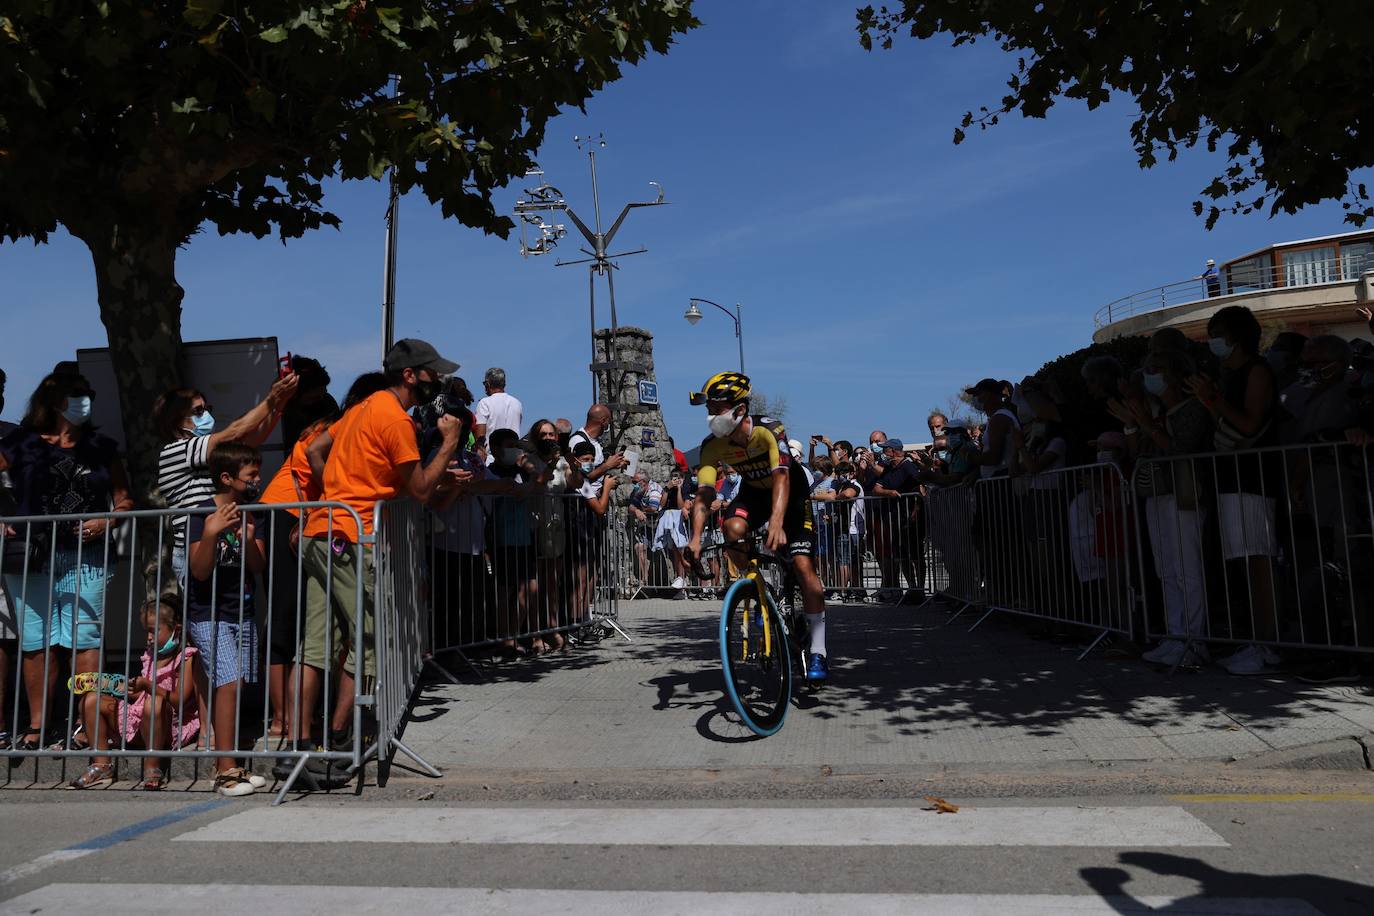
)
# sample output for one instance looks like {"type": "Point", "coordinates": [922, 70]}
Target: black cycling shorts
{"type": "Point", "coordinates": [755, 506]}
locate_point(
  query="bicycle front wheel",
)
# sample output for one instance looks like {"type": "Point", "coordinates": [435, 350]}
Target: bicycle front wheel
{"type": "Point", "coordinates": [754, 658]}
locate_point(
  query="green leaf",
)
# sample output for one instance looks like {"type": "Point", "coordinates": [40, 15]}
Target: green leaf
{"type": "Point", "coordinates": [200, 13]}
{"type": "Point", "coordinates": [275, 35]}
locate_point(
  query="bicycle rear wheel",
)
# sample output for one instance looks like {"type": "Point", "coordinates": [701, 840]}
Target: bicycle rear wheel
{"type": "Point", "coordinates": [754, 658]}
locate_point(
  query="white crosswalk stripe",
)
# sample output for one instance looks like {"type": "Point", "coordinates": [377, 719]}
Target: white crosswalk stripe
{"type": "Point", "coordinates": [1136, 827]}
{"type": "Point", "coordinates": [216, 899]}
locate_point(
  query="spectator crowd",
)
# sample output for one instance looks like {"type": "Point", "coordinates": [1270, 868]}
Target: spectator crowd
{"type": "Point", "coordinates": [1249, 545]}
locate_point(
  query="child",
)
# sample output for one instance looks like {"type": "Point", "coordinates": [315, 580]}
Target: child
{"type": "Point", "coordinates": [226, 552]}
{"type": "Point", "coordinates": [160, 708]}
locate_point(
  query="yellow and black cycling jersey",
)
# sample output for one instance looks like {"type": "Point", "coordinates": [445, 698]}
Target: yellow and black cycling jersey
{"type": "Point", "coordinates": [756, 461]}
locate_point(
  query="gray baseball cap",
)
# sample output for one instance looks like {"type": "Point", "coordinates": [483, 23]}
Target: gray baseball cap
{"type": "Point", "coordinates": [411, 353]}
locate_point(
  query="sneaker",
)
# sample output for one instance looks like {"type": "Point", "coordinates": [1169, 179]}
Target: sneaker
{"type": "Point", "coordinates": [1169, 652]}
{"type": "Point", "coordinates": [1329, 671]}
{"type": "Point", "coordinates": [233, 783]}
{"type": "Point", "coordinates": [817, 668]}
{"type": "Point", "coordinates": [679, 582]}
{"type": "Point", "coordinates": [1251, 660]}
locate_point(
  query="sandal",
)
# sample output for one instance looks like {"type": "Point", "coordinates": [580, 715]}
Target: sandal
{"type": "Point", "coordinates": [154, 780]}
{"type": "Point", "coordinates": [233, 783]}
{"type": "Point", "coordinates": [32, 740]}
{"type": "Point", "coordinates": [79, 742]}
{"type": "Point", "coordinates": [97, 774]}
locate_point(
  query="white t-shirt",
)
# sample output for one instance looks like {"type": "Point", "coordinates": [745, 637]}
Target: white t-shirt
{"type": "Point", "coordinates": [1008, 448]}
{"type": "Point", "coordinates": [1046, 480]}
{"type": "Point", "coordinates": [500, 411]}
{"type": "Point", "coordinates": [183, 480]}
{"type": "Point", "coordinates": [590, 488]}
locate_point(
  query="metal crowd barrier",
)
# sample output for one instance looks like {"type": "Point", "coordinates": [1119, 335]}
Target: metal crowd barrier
{"type": "Point", "coordinates": [88, 616]}
{"type": "Point", "coordinates": [404, 619]}
{"type": "Point", "coordinates": [1271, 546]}
{"type": "Point", "coordinates": [508, 573]}
{"type": "Point", "coordinates": [865, 547]}
{"type": "Point", "coordinates": [1060, 546]}
{"type": "Point", "coordinates": [950, 519]}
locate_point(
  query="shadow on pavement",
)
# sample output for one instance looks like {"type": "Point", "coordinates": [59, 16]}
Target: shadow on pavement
{"type": "Point", "coordinates": [1331, 896]}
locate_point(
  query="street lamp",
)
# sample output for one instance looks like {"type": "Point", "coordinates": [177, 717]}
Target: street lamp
{"type": "Point", "coordinates": [693, 315]}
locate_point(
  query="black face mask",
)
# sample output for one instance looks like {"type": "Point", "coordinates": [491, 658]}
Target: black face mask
{"type": "Point", "coordinates": [426, 391]}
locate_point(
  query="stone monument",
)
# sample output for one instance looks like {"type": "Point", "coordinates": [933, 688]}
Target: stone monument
{"type": "Point", "coordinates": [627, 385]}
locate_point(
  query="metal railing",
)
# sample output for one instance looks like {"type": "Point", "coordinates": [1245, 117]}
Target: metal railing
{"type": "Point", "coordinates": [1271, 547]}
{"type": "Point", "coordinates": [116, 665]}
{"type": "Point", "coordinates": [1234, 280]}
{"type": "Point", "coordinates": [1060, 546]}
{"type": "Point", "coordinates": [866, 547]}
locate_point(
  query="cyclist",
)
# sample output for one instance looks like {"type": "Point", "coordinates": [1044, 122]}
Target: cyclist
{"type": "Point", "coordinates": [773, 490]}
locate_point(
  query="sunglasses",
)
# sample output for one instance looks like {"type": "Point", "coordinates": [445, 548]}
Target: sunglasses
{"type": "Point", "coordinates": [201, 409]}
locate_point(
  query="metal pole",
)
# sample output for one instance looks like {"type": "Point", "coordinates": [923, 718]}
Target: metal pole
{"type": "Point", "coordinates": [591, 299]}
{"type": "Point", "coordinates": [739, 336]}
{"type": "Point", "coordinates": [389, 267]}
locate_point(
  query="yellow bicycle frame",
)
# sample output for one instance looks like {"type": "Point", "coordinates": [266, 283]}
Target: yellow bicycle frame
{"type": "Point", "coordinates": [753, 574]}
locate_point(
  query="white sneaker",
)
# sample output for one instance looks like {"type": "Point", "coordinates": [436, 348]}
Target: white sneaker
{"type": "Point", "coordinates": [233, 783]}
{"type": "Point", "coordinates": [679, 582]}
{"type": "Point", "coordinates": [1168, 652]}
{"type": "Point", "coordinates": [1250, 660]}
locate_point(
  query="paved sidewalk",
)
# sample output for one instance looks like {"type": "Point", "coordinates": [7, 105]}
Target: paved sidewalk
{"type": "Point", "coordinates": [906, 691]}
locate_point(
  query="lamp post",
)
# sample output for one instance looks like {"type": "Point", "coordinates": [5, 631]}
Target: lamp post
{"type": "Point", "coordinates": [693, 315]}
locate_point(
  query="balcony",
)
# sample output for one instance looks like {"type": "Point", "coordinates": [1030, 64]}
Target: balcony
{"type": "Point", "coordinates": [1268, 281]}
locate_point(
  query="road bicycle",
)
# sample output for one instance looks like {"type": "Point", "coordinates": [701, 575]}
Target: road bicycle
{"type": "Point", "coordinates": [763, 640]}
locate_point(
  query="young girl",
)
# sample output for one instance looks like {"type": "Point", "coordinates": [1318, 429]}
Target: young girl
{"type": "Point", "coordinates": [160, 709]}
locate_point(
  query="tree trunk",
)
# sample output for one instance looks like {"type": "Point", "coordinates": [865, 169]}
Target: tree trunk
{"type": "Point", "coordinates": [140, 306]}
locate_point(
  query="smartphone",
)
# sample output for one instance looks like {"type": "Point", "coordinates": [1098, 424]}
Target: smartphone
{"type": "Point", "coordinates": [284, 365]}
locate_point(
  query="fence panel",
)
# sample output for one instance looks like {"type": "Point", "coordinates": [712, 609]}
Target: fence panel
{"type": "Point", "coordinates": [246, 643]}
{"type": "Point", "coordinates": [950, 523]}
{"type": "Point", "coordinates": [1271, 547]}
{"type": "Point", "coordinates": [1059, 545]}
{"type": "Point", "coordinates": [507, 569]}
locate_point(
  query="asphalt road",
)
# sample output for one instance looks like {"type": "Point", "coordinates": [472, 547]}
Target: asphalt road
{"type": "Point", "coordinates": [116, 852]}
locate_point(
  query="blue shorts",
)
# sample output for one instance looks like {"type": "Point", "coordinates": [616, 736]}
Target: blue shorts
{"type": "Point", "coordinates": [228, 650]}
{"type": "Point", "coordinates": [48, 605]}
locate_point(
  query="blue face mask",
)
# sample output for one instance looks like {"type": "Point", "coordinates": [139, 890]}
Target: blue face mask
{"type": "Point", "coordinates": [733, 478]}
{"type": "Point", "coordinates": [203, 425]}
{"type": "Point", "coordinates": [78, 410]}
{"type": "Point", "coordinates": [170, 647]}
{"type": "Point", "coordinates": [1154, 383]}
{"type": "Point", "coordinates": [1219, 346]}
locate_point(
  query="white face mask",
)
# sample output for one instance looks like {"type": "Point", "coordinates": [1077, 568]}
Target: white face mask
{"type": "Point", "coordinates": [1106, 458]}
{"type": "Point", "coordinates": [78, 410]}
{"type": "Point", "coordinates": [723, 424]}
{"type": "Point", "coordinates": [1220, 347]}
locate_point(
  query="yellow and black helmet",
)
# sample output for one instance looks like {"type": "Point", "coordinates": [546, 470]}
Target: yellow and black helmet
{"type": "Point", "coordinates": [723, 386]}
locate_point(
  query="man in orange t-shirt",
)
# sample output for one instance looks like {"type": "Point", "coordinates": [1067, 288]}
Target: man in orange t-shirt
{"type": "Point", "coordinates": [370, 454]}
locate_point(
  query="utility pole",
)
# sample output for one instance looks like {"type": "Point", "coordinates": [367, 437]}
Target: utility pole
{"type": "Point", "coordinates": [393, 212]}
{"type": "Point", "coordinates": [548, 199]}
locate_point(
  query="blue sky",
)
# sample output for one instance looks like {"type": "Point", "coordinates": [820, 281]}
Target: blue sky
{"type": "Point", "coordinates": [880, 267]}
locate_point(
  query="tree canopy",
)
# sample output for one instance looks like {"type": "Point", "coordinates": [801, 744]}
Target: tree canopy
{"type": "Point", "coordinates": [133, 123]}
{"type": "Point", "coordinates": [1284, 87]}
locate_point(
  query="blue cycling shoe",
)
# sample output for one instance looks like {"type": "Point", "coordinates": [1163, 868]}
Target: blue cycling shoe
{"type": "Point", "coordinates": [817, 668]}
